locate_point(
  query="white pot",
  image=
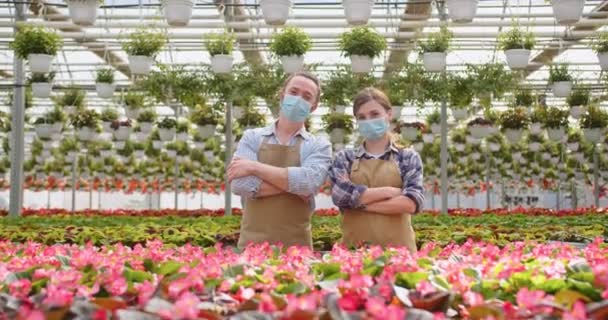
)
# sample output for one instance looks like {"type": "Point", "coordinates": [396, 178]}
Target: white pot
{"type": "Point", "coordinates": [357, 12]}
{"type": "Point", "coordinates": [48, 145]}
{"type": "Point", "coordinates": [556, 134]}
{"type": "Point", "coordinates": [105, 153]}
{"type": "Point", "coordinates": [397, 111]}
{"type": "Point", "coordinates": [107, 126]}
{"type": "Point", "coordinates": [131, 113]}
{"type": "Point", "coordinates": [603, 59]}
{"type": "Point", "coordinates": [460, 114]}
{"type": "Point", "coordinates": [517, 58]}
{"type": "Point", "coordinates": [473, 140]}
{"type": "Point", "coordinates": [514, 135]}
{"type": "Point", "coordinates": [478, 131]}
{"type": "Point", "coordinates": [44, 131]}
{"type": "Point", "coordinates": [238, 112]}
{"type": "Point", "coordinates": [409, 133]}
{"type": "Point", "coordinates": [85, 134]}
{"type": "Point", "coordinates": [209, 155]}
{"type": "Point", "coordinates": [139, 154]}
{"type": "Point", "coordinates": [567, 11]}
{"type": "Point", "coordinates": [70, 109]}
{"type": "Point", "coordinates": [275, 12]}
{"type": "Point", "coordinates": [434, 61]}
{"type": "Point", "coordinates": [462, 11]}
{"type": "Point", "coordinates": [428, 137]}
{"type": "Point", "coordinates": [562, 89]}
{"type": "Point", "coordinates": [534, 146]}
{"type": "Point", "coordinates": [140, 64]}
{"type": "Point", "coordinates": [146, 127]}
{"type": "Point", "coordinates": [104, 90]}
{"type": "Point", "coordinates": [119, 144]}
{"type": "Point", "coordinates": [166, 134]}
{"type": "Point", "coordinates": [573, 146]}
{"type": "Point", "coordinates": [337, 135]}
{"type": "Point", "coordinates": [493, 146]}
{"type": "Point", "coordinates": [206, 131]}
{"type": "Point", "coordinates": [83, 12]}
{"type": "Point", "coordinates": [40, 63]}
{"type": "Point", "coordinates": [140, 136]}
{"type": "Point", "coordinates": [199, 144]}
{"type": "Point", "coordinates": [418, 146]}
{"type": "Point", "coordinates": [182, 136]}
{"type": "Point", "coordinates": [171, 153]}
{"type": "Point", "coordinates": [221, 63]}
{"type": "Point", "coordinates": [361, 64]}
{"type": "Point", "coordinates": [177, 12]}
{"type": "Point", "coordinates": [292, 64]}
{"type": "Point", "coordinates": [157, 144]}
{"type": "Point", "coordinates": [122, 133]}
{"type": "Point", "coordinates": [41, 89]}
{"type": "Point", "coordinates": [436, 128]}
{"type": "Point", "coordinates": [593, 135]}
{"type": "Point", "coordinates": [475, 156]}
{"type": "Point", "coordinates": [536, 128]}
{"type": "Point", "coordinates": [340, 109]}
{"type": "Point", "coordinates": [577, 111]}
{"type": "Point", "coordinates": [460, 147]}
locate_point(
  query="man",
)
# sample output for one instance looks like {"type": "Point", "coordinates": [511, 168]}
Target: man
{"type": "Point", "coordinates": [278, 170]}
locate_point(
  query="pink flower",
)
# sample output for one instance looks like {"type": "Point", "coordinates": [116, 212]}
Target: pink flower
{"type": "Point", "coordinates": [473, 298]}
{"type": "Point", "coordinates": [350, 301]}
{"type": "Point", "coordinates": [27, 313]}
{"type": "Point", "coordinates": [145, 292]}
{"type": "Point", "coordinates": [308, 302]}
{"type": "Point", "coordinates": [578, 312]}
{"type": "Point", "coordinates": [57, 296]}
{"type": "Point", "coordinates": [20, 288]}
{"type": "Point", "coordinates": [87, 292]}
{"type": "Point", "coordinates": [246, 293]}
{"type": "Point", "coordinates": [186, 307]}
{"type": "Point", "coordinates": [424, 287]}
{"type": "Point", "coordinates": [529, 299]}
{"type": "Point", "coordinates": [117, 286]}
{"type": "Point", "coordinates": [375, 307]}
{"type": "Point", "coordinates": [267, 304]}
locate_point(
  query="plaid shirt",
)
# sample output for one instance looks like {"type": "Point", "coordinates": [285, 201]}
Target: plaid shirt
{"type": "Point", "coordinates": [346, 194]}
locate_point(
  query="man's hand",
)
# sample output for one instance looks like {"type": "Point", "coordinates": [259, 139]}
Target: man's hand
{"type": "Point", "coordinates": [391, 192]}
{"type": "Point", "coordinates": [239, 168]}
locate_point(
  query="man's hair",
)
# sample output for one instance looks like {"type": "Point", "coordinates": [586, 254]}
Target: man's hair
{"type": "Point", "coordinates": [306, 75]}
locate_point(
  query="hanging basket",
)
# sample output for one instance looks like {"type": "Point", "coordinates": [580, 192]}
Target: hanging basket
{"type": "Point", "coordinates": [434, 61]}
{"type": "Point", "coordinates": [573, 146]}
{"type": "Point", "coordinates": [177, 12]}
{"type": "Point", "coordinates": [221, 63]}
{"type": "Point", "coordinates": [119, 145]}
{"type": "Point", "coordinates": [577, 111]}
{"type": "Point", "coordinates": [40, 63]}
{"type": "Point", "coordinates": [166, 135]}
{"type": "Point", "coordinates": [146, 127]}
{"type": "Point", "coordinates": [460, 147]}
{"type": "Point", "coordinates": [418, 146]}
{"type": "Point", "coordinates": [536, 128]}
{"type": "Point", "coordinates": [478, 131]}
{"type": "Point", "coordinates": [436, 128]}
{"type": "Point", "coordinates": [172, 153]}
{"type": "Point", "coordinates": [131, 113]}
{"type": "Point", "coordinates": [428, 137]}
{"type": "Point", "coordinates": [207, 131]}
{"type": "Point", "coordinates": [44, 131]}
{"type": "Point", "coordinates": [275, 12]}
{"type": "Point", "coordinates": [85, 134]}
{"type": "Point", "coordinates": [409, 133]}
{"type": "Point", "coordinates": [357, 12]}
{"type": "Point", "coordinates": [105, 153]}
{"type": "Point", "coordinates": [556, 134]}
{"type": "Point", "coordinates": [42, 89]}
{"type": "Point", "coordinates": [517, 58]}
{"type": "Point", "coordinates": [562, 89]}
{"type": "Point", "coordinates": [460, 114]}
{"type": "Point", "coordinates": [340, 109]}
{"type": "Point", "coordinates": [209, 156]}
{"type": "Point", "coordinates": [140, 64]}
{"type": "Point", "coordinates": [83, 12]}
{"type": "Point", "coordinates": [104, 90]}
{"type": "Point", "coordinates": [292, 64]}
{"type": "Point", "coordinates": [182, 136]}
{"type": "Point", "coordinates": [122, 133]}
{"type": "Point", "coordinates": [567, 11]}
{"type": "Point", "coordinates": [337, 135]}
{"type": "Point", "coordinates": [494, 147]}
{"type": "Point", "coordinates": [593, 135]}
{"type": "Point", "coordinates": [514, 135]}
{"type": "Point", "coordinates": [157, 144]}
{"type": "Point", "coordinates": [70, 109]}
{"type": "Point", "coordinates": [238, 112]}
{"type": "Point", "coordinates": [475, 156]}
{"type": "Point", "coordinates": [361, 64]}
{"type": "Point", "coordinates": [397, 111]}
{"type": "Point", "coordinates": [603, 59]}
{"type": "Point", "coordinates": [462, 11]}
{"type": "Point", "coordinates": [534, 146]}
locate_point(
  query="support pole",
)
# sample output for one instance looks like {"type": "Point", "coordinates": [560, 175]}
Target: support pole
{"type": "Point", "coordinates": [74, 162]}
{"type": "Point", "coordinates": [17, 124]}
{"type": "Point", "coordinates": [558, 195]}
{"type": "Point", "coordinates": [488, 196]}
{"type": "Point", "coordinates": [176, 184]}
{"type": "Point", "coordinates": [444, 132]}
{"type": "Point", "coordinates": [227, 189]}
{"type": "Point", "coordinates": [596, 177]}
{"type": "Point", "coordinates": [574, 196]}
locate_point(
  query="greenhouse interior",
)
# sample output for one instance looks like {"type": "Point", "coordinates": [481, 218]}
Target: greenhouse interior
{"type": "Point", "coordinates": [282, 159]}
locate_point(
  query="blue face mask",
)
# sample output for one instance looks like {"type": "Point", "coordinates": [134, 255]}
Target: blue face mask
{"type": "Point", "coordinates": [372, 129]}
{"type": "Point", "coordinates": [295, 108]}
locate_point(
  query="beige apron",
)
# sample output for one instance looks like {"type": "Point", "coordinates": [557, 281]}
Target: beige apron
{"type": "Point", "coordinates": [360, 226]}
{"type": "Point", "coordinates": [281, 218]}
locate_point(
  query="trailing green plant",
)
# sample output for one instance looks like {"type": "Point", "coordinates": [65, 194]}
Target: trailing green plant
{"type": "Point", "coordinates": [460, 92]}
{"type": "Point", "coordinates": [220, 43]}
{"type": "Point", "coordinates": [35, 40]}
{"type": "Point", "coordinates": [363, 41]}
{"type": "Point", "coordinates": [148, 115]}
{"type": "Point", "coordinates": [334, 120]}
{"type": "Point", "coordinates": [594, 117]}
{"type": "Point", "coordinates": [252, 117]}
{"type": "Point", "coordinates": [144, 42]}
{"type": "Point", "coordinates": [514, 118]}
{"type": "Point", "coordinates": [490, 81]}
{"type": "Point", "coordinates": [524, 98]}
{"type": "Point", "coordinates": [105, 75]}
{"type": "Point", "coordinates": [134, 100]}
{"type": "Point", "coordinates": [291, 41]}
{"type": "Point", "coordinates": [175, 82]}
{"type": "Point", "coordinates": [579, 97]}
{"type": "Point", "coordinates": [538, 114]}
{"type": "Point", "coordinates": [85, 118]}
{"type": "Point", "coordinates": [55, 116]}
{"type": "Point", "coordinates": [204, 115]}
{"type": "Point", "coordinates": [42, 77]}
{"type": "Point", "coordinates": [437, 41]}
{"type": "Point", "coordinates": [109, 115]}
{"type": "Point", "coordinates": [555, 118]}
{"type": "Point", "coordinates": [600, 43]}
{"type": "Point", "coordinates": [343, 84]}
{"type": "Point", "coordinates": [516, 38]}
{"type": "Point", "coordinates": [559, 72]}
{"type": "Point", "coordinates": [167, 123]}
{"type": "Point", "coordinates": [433, 118]}
{"type": "Point", "coordinates": [182, 126]}
{"type": "Point", "coordinates": [73, 97]}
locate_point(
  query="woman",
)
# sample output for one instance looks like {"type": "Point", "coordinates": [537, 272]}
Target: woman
{"type": "Point", "coordinates": [377, 185]}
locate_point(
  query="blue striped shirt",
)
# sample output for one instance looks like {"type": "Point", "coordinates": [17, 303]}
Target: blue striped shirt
{"type": "Point", "coordinates": [306, 180]}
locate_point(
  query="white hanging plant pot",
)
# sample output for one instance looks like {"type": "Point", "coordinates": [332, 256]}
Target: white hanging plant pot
{"type": "Point", "coordinates": [122, 133]}
{"type": "Point", "coordinates": [85, 134]}
{"type": "Point", "coordinates": [105, 90]}
{"type": "Point", "coordinates": [534, 146]}
{"type": "Point", "coordinates": [397, 111]}
{"type": "Point", "coordinates": [107, 126]}
{"type": "Point", "coordinates": [340, 109]}
{"type": "Point", "coordinates": [459, 147]}
{"type": "Point", "coordinates": [593, 135]}
{"type": "Point", "coordinates": [514, 135]}
{"type": "Point", "coordinates": [337, 135]}
{"type": "Point", "coordinates": [603, 59]}
{"type": "Point", "coordinates": [460, 114]}
{"type": "Point", "coordinates": [562, 89]}
{"type": "Point", "coordinates": [536, 128]}
{"type": "Point", "coordinates": [83, 12]}
{"type": "Point", "coordinates": [478, 131]}
{"type": "Point", "coordinates": [105, 153]}
{"type": "Point", "coordinates": [157, 144]}
{"type": "Point", "coordinates": [577, 111]}
{"type": "Point", "coordinates": [48, 144]}
{"type": "Point", "coordinates": [275, 12]}
{"type": "Point", "coordinates": [434, 61]}
{"type": "Point", "coordinates": [41, 89]}
{"type": "Point", "coordinates": [139, 154]}
{"type": "Point", "coordinates": [358, 12]}
{"type": "Point", "coordinates": [473, 140]}
{"type": "Point", "coordinates": [207, 131]}
{"type": "Point", "coordinates": [166, 134]}
{"type": "Point", "coordinates": [209, 155]}
{"type": "Point", "coordinates": [462, 11]}
{"type": "Point", "coordinates": [177, 12]}
{"type": "Point", "coordinates": [171, 153]}
{"type": "Point", "coordinates": [44, 131]}
{"type": "Point", "coordinates": [517, 58]}
{"type": "Point", "coordinates": [567, 11]}
{"type": "Point", "coordinates": [292, 64]}
{"type": "Point", "coordinates": [436, 128]}
{"type": "Point", "coordinates": [493, 146]}
{"type": "Point", "coordinates": [237, 112]}
{"type": "Point", "coordinates": [556, 134]}
{"type": "Point", "coordinates": [70, 109]}
{"type": "Point", "coordinates": [182, 136]}
{"type": "Point", "coordinates": [418, 146]}
{"type": "Point", "coordinates": [221, 63]}
{"type": "Point", "coordinates": [119, 144]}
{"type": "Point", "coordinates": [131, 113]}
{"type": "Point", "coordinates": [199, 144]}
{"type": "Point", "coordinates": [475, 156]}
{"type": "Point", "coordinates": [428, 137]}
{"type": "Point", "coordinates": [573, 146]}
{"type": "Point", "coordinates": [146, 127]}
{"type": "Point", "coordinates": [409, 133]}
{"type": "Point", "coordinates": [140, 64]}
{"type": "Point", "coordinates": [40, 63]}
{"type": "Point", "coordinates": [361, 64]}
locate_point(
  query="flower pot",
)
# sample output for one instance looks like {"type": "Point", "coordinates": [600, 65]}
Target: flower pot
{"type": "Point", "coordinates": [70, 109]}
{"type": "Point", "coordinates": [292, 64]}
{"type": "Point", "coordinates": [237, 112]}
{"type": "Point", "coordinates": [177, 12]}
{"type": "Point", "coordinates": [361, 64]}
{"type": "Point", "coordinates": [475, 156]}
{"type": "Point", "coordinates": [105, 153]}
{"type": "Point", "coordinates": [207, 131]}
{"type": "Point", "coordinates": [460, 114]}
{"type": "Point", "coordinates": [593, 135]}
{"type": "Point", "coordinates": [140, 136]}
{"type": "Point", "coordinates": [577, 111]}
{"type": "Point", "coordinates": [436, 128]}
{"type": "Point", "coordinates": [221, 63]}
{"type": "Point", "coordinates": [397, 111]}
{"type": "Point", "coordinates": [337, 135]}
{"type": "Point", "coordinates": [562, 89]}
{"type": "Point", "coordinates": [166, 134]}
{"type": "Point", "coordinates": [157, 144]}
{"type": "Point", "coordinates": [131, 113]}
{"type": "Point", "coordinates": [603, 59]}
{"type": "Point", "coordinates": [428, 137]}
{"type": "Point", "coordinates": [40, 63]}
{"type": "Point", "coordinates": [409, 133]}
{"type": "Point", "coordinates": [85, 133]}
{"type": "Point", "coordinates": [434, 61]}
{"type": "Point", "coordinates": [139, 154]}
{"type": "Point", "coordinates": [182, 136]}
{"type": "Point", "coordinates": [473, 140]}
{"type": "Point", "coordinates": [83, 12]}
{"type": "Point", "coordinates": [556, 134]}
{"type": "Point", "coordinates": [140, 64]}
{"type": "Point", "coordinates": [119, 145]}
{"type": "Point", "coordinates": [514, 135]}
{"type": "Point", "coordinates": [44, 131]}
{"type": "Point", "coordinates": [209, 155]}
{"type": "Point", "coordinates": [536, 128]}
{"type": "Point", "coordinates": [275, 12]}
{"type": "Point", "coordinates": [567, 11]}
{"type": "Point", "coordinates": [48, 145]}
{"type": "Point", "coordinates": [534, 146]}
{"type": "Point", "coordinates": [107, 126]}
{"type": "Point", "coordinates": [57, 127]}
{"type": "Point", "coordinates": [340, 109]}
{"type": "Point", "coordinates": [171, 153]}
{"type": "Point", "coordinates": [459, 147]}
{"type": "Point", "coordinates": [462, 11]}
{"type": "Point", "coordinates": [357, 12]}
{"type": "Point", "coordinates": [146, 127]}
{"type": "Point", "coordinates": [493, 146]}
{"type": "Point", "coordinates": [418, 146]}
{"type": "Point", "coordinates": [517, 58]}
{"type": "Point", "coordinates": [104, 90]}
{"type": "Point", "coordinates": [41, 89]}
{"type": "Point", "coordinates": [479, 132]}
{"type": "Point", "coordinates": [122, 133]}
{"type": "Point", "coordinates": [573, 146]}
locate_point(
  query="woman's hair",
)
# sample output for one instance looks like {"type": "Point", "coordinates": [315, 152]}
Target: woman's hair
{"type": "Point", "coordinates": [372, 94]}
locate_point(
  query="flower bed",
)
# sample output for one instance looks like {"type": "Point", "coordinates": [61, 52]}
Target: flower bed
{"type": "Point", "coordinates": [472, 281]}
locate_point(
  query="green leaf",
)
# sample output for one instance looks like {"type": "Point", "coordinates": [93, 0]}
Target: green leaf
{"type": "Point", "coordinates": [569, 297]}
{"type": "Point", "coordinates": [440, 282]}
{"type": "Point", "coordinates": [65, 261]}
{"type": "Point", "coordinates": [149, 265]}
{"type": "Point", "coordinates": [473, 273]}
{"type": "Point", "coordinates": [169, 267]}
{"type": "Point", "coordinates": [425, 263]}
{"type": "Point", "coordinates": [136, 275]}
{"type": "Point", "coordinates": [291, 288]}
{"type": "Point", "coordinates": [233, 271]}
{"type": "Point", "coordinates": [409, 280]}
{"type": "Point", "coordinates": [325, 270]}
{"type": "Point", "coordinates": [585, 288]}
{"type": "Point", "coordinates": [552, 285]}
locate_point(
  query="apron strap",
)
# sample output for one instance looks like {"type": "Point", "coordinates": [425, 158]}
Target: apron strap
{"type": "Point", "coordinates": [355, 166]}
